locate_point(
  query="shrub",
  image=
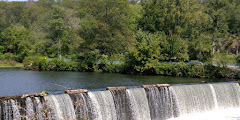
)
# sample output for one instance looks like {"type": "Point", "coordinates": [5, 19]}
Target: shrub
{"type": "Point", "coordinates": [163, 69]}
{"type": "Point", "coordinates": [72, 66]}
{"type": "Point", "coordinates": [43, 64]}
{"type": "Point", "coordinates": [237, 75]}
{"type": "Point", "coordinates": [210, 70]}
{"type": "Point", "coordinates": [225, 73]}
{"type": "Point", "coordinates": [60, 65]}
{"type": "Point", "coordinates": [113, 68]}
{"type": "Point", "coordinates": [8, 56]}
{"type": "Point", "coordinates": [198, 71]}
{"type": "Point", "coordinates": [52, 65]}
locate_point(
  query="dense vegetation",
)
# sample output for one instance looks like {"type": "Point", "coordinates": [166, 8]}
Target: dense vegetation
{"type": "Point", "coordinates": [141, 34]}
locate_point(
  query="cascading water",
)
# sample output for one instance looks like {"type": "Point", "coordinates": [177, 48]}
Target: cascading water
{"type": "Point", "coordinates": [194, 98]}
{"type": "Point", "coordinates": [209, 101]}
{"type": "Point", "coordinates": [17, 109]}
{"type": "Point", "coordinates": [29, 109]}
{"type": "Point", "coordinates": [7, 110]}
{"type": "Point", "coordinates": [0, 110]}
{"type": "Point", "coordinates": [175, 102]}
{"type": "Point", "coordinates": [61, 106]}
{"type": "Point", "coordinates": [39, 109]}
{"type": "Point", "coordinates": [139, 104]}
{"type": "Point", "coordinates": [82, 106]}
{"type": "Point", "coordinates": [103, 105]}
{"type": "Point", "coordinates": [162, 103]}
{"type": "Point", "coordinates": [206, 97]}
{"type": "Point", "coordinates": [122, 105]}
{"type": "Point", "coordinates": [16, 113]}
{"type": "Point", "coordinates": [227, 95]}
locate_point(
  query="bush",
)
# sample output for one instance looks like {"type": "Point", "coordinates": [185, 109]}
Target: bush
{"type": "Point", "coordinates": [198, 71]}
{"type": "Point", "coordinates": [31, 62]}
{"type": "Point", "coordinates": [60, 65]}
{"type": "Point", "coordinates": [113, 68]}
{"type": "Point", "coordinates": [8, 56]}
{"type": "Point", "coordinates": [237, 75]}
{"type": "Point", "coordinates": [211, 70]}
{"type": "Point", "coordinates": [225, 73]}
{"type": "Point", "coordinates": [43, 64]}
{"type": "Point", "coordinates": [51, 66]}
{"type": "Point", "coordinates": [72, 66]}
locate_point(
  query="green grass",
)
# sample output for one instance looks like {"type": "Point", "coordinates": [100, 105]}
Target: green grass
{"type": "Point", "coordinates": [17, 65]}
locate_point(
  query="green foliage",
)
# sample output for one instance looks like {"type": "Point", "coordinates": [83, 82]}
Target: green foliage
{"type": "Point", "coordinates": [238, 58]}
{"type": "Point", "coordinates": [113, 68]}
{"type": "Point", "coordinates": [237, 75]}
{"type": "Point", "coordinates": [16, 40]}
{"type": "Point", "coordinates": [146, 51]}
{"type": "Point", "coordinates": [222, 59]}
{"type": "Point", "coordinates": [144, 34]}
{"type": "Point", "coordinates": [8, 56]}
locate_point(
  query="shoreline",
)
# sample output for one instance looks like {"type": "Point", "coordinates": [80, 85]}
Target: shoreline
{"type": "Point", "coordinates": [18, 65]}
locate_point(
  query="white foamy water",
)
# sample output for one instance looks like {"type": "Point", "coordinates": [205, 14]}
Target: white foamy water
{"type": "Point", "coordinates": [208, 101]}
{"type": "Point", "coordinates": [225, 114]}
{"type": "Point", "coordinates": [62, 106]}
{"type": "Point", "coordinates": [29, 108]}
{"type": "Point", "coordinates": [139, 104]}
{"type": "Point", "coordinates": [103, 105]}
{"type": "Point", "coordinates": [15, 109]}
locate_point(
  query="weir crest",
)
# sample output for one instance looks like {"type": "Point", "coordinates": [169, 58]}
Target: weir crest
{"type": "Point", "coordinates": [152, 102]}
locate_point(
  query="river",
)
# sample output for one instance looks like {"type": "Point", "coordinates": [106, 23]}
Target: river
{"type": "Point", "coordinates": [18, 81]}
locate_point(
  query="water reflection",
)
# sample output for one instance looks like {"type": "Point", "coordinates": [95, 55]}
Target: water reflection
{"type": "Point", "coordinates": [17, 81]}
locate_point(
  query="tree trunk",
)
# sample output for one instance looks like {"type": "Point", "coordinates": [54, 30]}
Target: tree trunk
{"type": "Point", "coordinates": [238, 42]}
{"type": "Point", "coordinates": [59, 48]}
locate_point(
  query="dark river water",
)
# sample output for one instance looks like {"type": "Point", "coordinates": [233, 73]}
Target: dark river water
{"type": "Point", "coordinates": [17, 81]}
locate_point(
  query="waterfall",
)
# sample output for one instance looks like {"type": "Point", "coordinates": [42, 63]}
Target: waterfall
{"type": "Point", "coordinates": [103, 105]}
{"type": "Point", "coordinates": [121, 101]}
{"type": "Point", "coordinates": [227, 95]}
{"type": "Point", "coordinates": [209, 101]}
{"type": "Point", "coordinates": [1, 110]}
{"type": "Point", "coordinates": [39, 109]}
{"type": "Point", "coordinates": [207, 97]}
{"type": "Point", "coordinates": [82, 106]}
{"type": "Point", "coordinates": [29, 108]}
{"type": "Point", "coordinates": [162, 103]}
{"type": "Point", "coordinates": [7, 110]}
{"type": "Point", "coordinates": [139, 104]}
{"type": "Point", "coordinates": [15, 110]}
{"type": "Point", "coordinates": [61, 106]}
{"type": "Point", "coordinates": [202, 101]}
{"type": "Point", "coordinates": [194, 98]}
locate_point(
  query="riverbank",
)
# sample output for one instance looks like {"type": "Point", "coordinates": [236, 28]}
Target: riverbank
{"type": "Point", "coordinates": [164, 69]}
{"type": "Point", "coordinates": [10, 64]}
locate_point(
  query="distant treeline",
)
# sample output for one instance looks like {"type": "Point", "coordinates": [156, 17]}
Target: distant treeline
{"type": "Point", "coordinates": [166, 68]}
{"type": "Point", "coordinates": [142, 34]}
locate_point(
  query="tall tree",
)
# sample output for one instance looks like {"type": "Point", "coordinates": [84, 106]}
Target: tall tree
{"type": "Point", "coordinates": [107, 25]}
{"type": "Point", "coordinates": [16, 40]}
{"type": "Point", "coordinates": [57, 27]}
{"type": "Point", "coordinates": [216, 9]}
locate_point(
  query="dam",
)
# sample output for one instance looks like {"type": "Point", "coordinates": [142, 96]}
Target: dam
{"type": "Point", "coordinates": [149, 102]}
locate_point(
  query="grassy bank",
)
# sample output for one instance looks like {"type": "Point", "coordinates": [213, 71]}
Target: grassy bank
{"type": "Point", "coordinates": [165, 69]}
{"type": "Point", "coordinates": [10, 64]}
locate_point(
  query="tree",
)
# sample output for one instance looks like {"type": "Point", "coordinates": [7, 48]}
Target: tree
{"type": "Point", "coordinates": [147, 51]}
{"type": "Point", "coordinates": [57, 27]}
{"type": "Point", "coordinates": [16, 40]}
{"type": "Point", "coordinates": [216, 9]}
{"type": "Point", "coordinates": [222, 59]}
{"type": "Point", "coordinates": [234, 23]}
{"type": "Point", "coordinates": [107, 25]}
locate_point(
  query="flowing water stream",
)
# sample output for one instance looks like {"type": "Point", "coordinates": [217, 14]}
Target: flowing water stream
{"type": "Point", "coordinates": [180, 102]}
